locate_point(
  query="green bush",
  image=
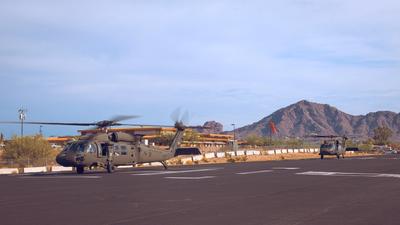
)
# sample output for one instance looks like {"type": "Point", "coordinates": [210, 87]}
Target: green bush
{"type": "Point", "coordinates": [29, 150]}
{"type": "Point", "coordinates": [255, 140]}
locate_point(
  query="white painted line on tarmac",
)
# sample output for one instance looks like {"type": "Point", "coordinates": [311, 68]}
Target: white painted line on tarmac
{"type": "Point", "coordinates": [254, 172]}
{"type": "Point", "coordinates": [60, 177]}
{"type": "Point", "coordinates": [286, 168]}
{"type": "Point", "coordinates": [360, 158]}
{"type": "Point", "coordinates": [342, 174]}
{"type": "Point", "coordinates": [174, 172]}
{"type": "Point", "coordinates": [190, 178]}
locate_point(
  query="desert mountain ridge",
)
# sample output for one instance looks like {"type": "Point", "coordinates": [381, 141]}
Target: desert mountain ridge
{"type": "Point", "coordinates": [305, 117]}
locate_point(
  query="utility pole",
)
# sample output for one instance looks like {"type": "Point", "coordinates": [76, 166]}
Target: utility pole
{"type": "Point", "coordinates": [234, 132]}
{"type": "Point", "coordinates": [22, 116]}
{"type": "Point", "coordinates": [234, 143]}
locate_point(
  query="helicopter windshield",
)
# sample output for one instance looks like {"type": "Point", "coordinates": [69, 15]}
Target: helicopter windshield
{"type": "Point", "coordinates": [76, 147]}
{"type": "Point", "coordinates": [327, 146]}
{"type": "Point", "coordinates": [67, 146]}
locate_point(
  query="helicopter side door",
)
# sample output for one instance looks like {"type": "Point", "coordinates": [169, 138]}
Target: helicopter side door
{"type": "Point", "coordinates": [103, 151]}
{"type": "Point", "coordinates": [122, 155]}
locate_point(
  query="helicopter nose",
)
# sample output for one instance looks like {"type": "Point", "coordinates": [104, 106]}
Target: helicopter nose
{"type": "Point", "coordinates": [65, 159]}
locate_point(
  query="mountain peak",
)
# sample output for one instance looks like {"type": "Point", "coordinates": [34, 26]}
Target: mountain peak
{"type": "Point", "coordinates": [306, 102]}
{"type": "Point", "coordinates": [305, 117]}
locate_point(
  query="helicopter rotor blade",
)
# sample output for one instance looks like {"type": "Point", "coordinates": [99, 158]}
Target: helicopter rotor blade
{"type": "Point", "coordinates": [185, 118]}
{"type": "Point", "coordinates": [113, 122]}
{"type": "Point", "coordinates": [100, 124]}
{"type": "Point", "coordinates": [176, 114]}
{"type": "Point", "coordinates": [49, 123]}
{"type": "Point", "coordinates": [123, 117]}
{"type": "Point", "coordinates": [142, 125]}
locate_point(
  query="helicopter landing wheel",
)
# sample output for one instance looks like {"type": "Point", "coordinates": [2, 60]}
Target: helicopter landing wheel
{"type": "Point", "coordinates": [80, 169]}
{"type": "Point", "coordinates": [110, 167]}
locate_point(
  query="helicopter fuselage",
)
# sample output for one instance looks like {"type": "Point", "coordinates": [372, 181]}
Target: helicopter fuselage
{"type": "Point", "coordinates": [93, 153]}
{"type": "Point", "coordinates": [332, 148]}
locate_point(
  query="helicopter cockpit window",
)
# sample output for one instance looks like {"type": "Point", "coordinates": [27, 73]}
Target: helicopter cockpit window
{"type": "Point", "coordinates": [124, 150]}
{"type": "Point", "coordinates": [77, 147]}
{"type": "Point", "coordinates": [327, 146]}
{"type": "Point", "coordinates": [91, 148]}
{"type": "Point", "coordinates": [116, 150]}
{"type": "Point", "coordinates": [80, 147]}
{"type": "Point", "coordinates": [67, 147]}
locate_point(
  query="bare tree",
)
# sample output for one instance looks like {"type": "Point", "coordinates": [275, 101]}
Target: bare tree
{"type": "Point", "coordinates": [382, 135]}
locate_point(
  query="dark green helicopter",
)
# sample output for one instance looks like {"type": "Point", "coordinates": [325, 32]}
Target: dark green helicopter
{"type": "Point", "coordinates": [108, 150]}
{"type": "Point", "coordinates": [332, 145]}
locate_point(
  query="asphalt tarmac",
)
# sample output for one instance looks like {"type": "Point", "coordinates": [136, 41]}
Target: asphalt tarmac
{"type": "Point", "coordinates": [302, 192]}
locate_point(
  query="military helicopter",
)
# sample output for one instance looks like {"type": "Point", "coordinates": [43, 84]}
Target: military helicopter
{"type": "Point", "coordinates": [332, 145]}
{"type": "Point", "coordinates": [108, 150]}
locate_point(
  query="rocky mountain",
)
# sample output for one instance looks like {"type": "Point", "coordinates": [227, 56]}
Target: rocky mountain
{"type": "Point", "coordinates": [212, 127]}
{"type": "Point", "coordinates": [304, 118]}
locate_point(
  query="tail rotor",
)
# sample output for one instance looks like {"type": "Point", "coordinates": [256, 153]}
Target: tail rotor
{"type": "Point", "coordinates": [181, 120]}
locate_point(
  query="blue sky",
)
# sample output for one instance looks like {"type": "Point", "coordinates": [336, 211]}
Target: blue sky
{"type": "Point", "coordinates": [230, 61]}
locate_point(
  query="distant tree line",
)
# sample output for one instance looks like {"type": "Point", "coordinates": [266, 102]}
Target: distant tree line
{"type": "Point", "coordinates": [166, 138]}
{"type": "Point", "coordinates": [381, 137]}
{"type": "Point", "coordinates": [255, 140]}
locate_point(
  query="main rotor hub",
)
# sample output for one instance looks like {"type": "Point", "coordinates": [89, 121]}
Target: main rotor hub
{"type": "Point", "coordinates": [180, 126]}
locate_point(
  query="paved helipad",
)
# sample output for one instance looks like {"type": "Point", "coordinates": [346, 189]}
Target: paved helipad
{"type": "Point", "coordinates": [350, 191]}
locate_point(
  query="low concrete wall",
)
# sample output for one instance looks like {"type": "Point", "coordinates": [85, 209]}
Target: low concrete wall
{"type": "Point", "coordinates": [9, 171]}
{"type": "Point", "coordinates": [250, 152]}
{"type": "Point", "coordinates": [220, 154]}
{"type": "Point", "coordinates": [41, 169]}
{"type": "Point", "coordinates": [61, 168]}
{"type": "Point", "coordinates": [271, 152]}
{"type": "Point", "coordinates": [231, 153]}
{"type": "Point", "coordinates": [239, 153]}
{"type": "Point", "coordinates": [197, 157]}
{"type": "Point", "coordinates": [209, 155]}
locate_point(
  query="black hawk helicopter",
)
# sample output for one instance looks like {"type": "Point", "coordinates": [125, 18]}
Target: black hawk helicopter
{"type": "Point", "coordinates": [108, 150]}
{"type": "Point", "coordinates": [332, 145]}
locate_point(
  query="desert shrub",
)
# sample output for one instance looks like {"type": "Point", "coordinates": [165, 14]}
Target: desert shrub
{"type": "Point", "coordinates": [230, 160]}
{"type": "Point", "coordinates": [204, 160]}
{"type": "Point", "coordinates": [29, 150]}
